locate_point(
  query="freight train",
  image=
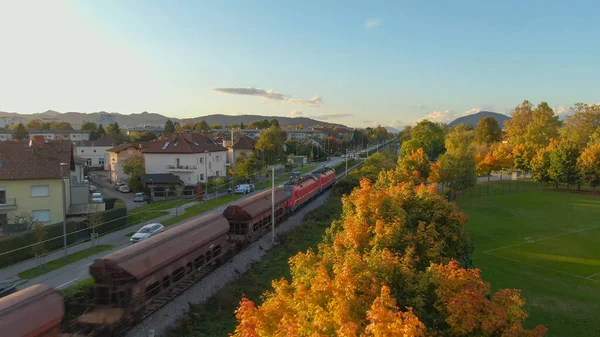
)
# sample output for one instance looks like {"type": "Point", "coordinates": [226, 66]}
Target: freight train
{"type": "Point", "coordinates": [133, 282]}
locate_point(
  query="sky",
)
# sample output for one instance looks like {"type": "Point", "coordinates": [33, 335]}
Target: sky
{"type": "Point", "coordinates": [359, 63]}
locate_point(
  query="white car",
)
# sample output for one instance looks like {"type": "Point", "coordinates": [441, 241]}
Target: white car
{"type": "Point", "coordinates": [93, 188]}
{"type": "Point", "coordinates": [146, 232]}
{"type": "Point", "coordinates": [97, 197]}
{"type": "Point", "coordinates": [124, 189]}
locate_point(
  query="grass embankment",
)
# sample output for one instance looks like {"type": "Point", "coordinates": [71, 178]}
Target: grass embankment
{"type": "Point", "coordinates": [215, 317]}
{"type": "Point", "coordinates": [545, 243]}
{"type": "Point", "coordinates": [61, 262]}
{"type": "Point", "coordinates": [201, 208]}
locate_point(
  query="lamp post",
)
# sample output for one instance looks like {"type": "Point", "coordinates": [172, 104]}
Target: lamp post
{"type": "Point", "coordinates": [64, 201]}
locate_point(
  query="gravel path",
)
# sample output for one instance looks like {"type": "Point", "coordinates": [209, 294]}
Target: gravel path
{"type": "Point", "coordinates": [166, 317]}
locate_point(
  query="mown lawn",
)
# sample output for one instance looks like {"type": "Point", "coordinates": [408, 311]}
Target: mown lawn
{"type": "Point", "coordinates": [545, 243]}
{"type": "Point", "coordinates": [202, 207]}
{"type": "Point", "coordinates": [61, 262]}
{"type": "Point", "coordinates": [215, 317]}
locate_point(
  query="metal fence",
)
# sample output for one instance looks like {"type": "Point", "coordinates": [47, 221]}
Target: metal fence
{"type": "Point", "coordinates": [495, 188]}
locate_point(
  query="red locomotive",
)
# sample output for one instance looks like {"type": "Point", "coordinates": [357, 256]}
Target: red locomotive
{"type": "Point", "coordinates": [133, 282]}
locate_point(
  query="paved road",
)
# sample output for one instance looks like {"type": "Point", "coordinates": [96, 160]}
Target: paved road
{"type": "Point", "coordinates": [79, 270]}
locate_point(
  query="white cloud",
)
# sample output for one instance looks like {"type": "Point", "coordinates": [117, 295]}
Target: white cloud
{"type": "Point", "coordinates": [440, 116]}
{"type": "Point", "coordinates": [372, 23]}
{"type": "Point", "coordinates": [331, 116]}
{"type": "Point", "coordinates": [297, 113]}
{"type": "Point", "coordinates": [270, 95]}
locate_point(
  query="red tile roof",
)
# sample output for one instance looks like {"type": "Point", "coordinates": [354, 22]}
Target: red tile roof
{"type": "Point", "coordinates": [183, 143]}
{"type": "Point", "coordinates": [121, 147]}
{"type": "Point", "coordinates": [18, 161]}
{"type": "Point", "coordinates": [244, 143]}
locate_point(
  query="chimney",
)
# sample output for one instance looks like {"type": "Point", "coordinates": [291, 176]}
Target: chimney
{"type": "Point", "coordinates": [37, 140]}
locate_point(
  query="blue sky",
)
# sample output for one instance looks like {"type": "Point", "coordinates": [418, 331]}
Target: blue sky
{"type": "Point", "coordinates": [357, 63]}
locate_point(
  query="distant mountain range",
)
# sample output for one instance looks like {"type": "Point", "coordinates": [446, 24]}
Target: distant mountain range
{"type": "Point", "coordinates": [146, 118]}
{"type": "Point", "coordinates": [475, 118]}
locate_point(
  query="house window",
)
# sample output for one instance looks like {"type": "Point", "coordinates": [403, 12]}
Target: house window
{"type": "Point", "coordinates": [81, 151]}
{"type": "Point", "coordinates": [3, 219]}
{"type": "Point", "coordinates": [101, 161]}
{"type": "Point", "coordinates": [40, 190]}
{"type": "Point", "coordinates": [177, 160]}
{"type": "Point", "coordinates": [201, 160]}
{"type": "Point", "coordinates": [210, 162]}
{"type": "Point", "coordinates": [74, 179]}
{"type": "Point", "coordinates": [41, 215]}
{"type": "Point", "coordinates": [217, 158]}
{"type": "Point", "coordinates": [88, 162]}
{"type": "Point", "coordinates": [2, 195]}
{"type": "Point", "coordinates": [201, 176]}
{"type": "Point", "coordinates": [94, 151]}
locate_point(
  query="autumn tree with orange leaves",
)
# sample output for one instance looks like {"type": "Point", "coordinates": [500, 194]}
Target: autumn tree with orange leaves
{"type": "Point", "coordinates": [390, 266]}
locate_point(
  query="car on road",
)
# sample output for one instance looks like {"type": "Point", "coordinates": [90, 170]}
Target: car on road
{"type": "Point", "coordinates": [118, 185]}
{"type": "Point", "coordinates": [244, 189]}
{"type": "Point", "coordinates": [7, 288]}
{"type": "Point", "coordinates": [93, 188]}
{"type": "Point", "coordinates": [97, 197]}
{"type": "Point", "coordinates": [140, 197]}
{"type": "Point", "coordinates": [146, 232]}
{"type": "Point", "coordinates": [124, 189]}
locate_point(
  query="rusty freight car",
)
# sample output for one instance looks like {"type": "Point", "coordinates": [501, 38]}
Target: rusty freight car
{"type": "Point", "coordinates": [35, 311]}
{"type": "Point", "coordinates": [250, 218]}
{"type": "Point", "coordinates": [134, 281]}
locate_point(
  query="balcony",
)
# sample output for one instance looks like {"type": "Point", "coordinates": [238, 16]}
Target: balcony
{"type": "Point", "coordinates": [8, 203]}
{"type": "Point", "coordinates": [181, 168]}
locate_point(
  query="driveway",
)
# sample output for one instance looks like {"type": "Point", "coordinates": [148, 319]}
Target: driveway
{"type": "Point", "coordinates": [100, 180]}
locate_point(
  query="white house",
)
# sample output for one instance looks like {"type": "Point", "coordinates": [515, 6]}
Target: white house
{"type": "Point", "coordinates": [190, 156]}
{"type": "Point", "coordinates": [73, 135]}
{"type": "Point", "coordinates": [95, 152]}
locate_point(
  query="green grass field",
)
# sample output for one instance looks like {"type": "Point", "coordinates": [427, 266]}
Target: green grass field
{"type": "Point", "coordinates": [61, 262]}
{"type": "Point", "coordinates": [546, 243]}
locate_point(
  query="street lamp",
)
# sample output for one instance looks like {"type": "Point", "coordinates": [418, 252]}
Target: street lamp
{"type": "Point", "coordinates": [64, 200]}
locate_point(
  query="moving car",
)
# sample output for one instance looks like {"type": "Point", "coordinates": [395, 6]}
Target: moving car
{"type": "Point", "coordinates": [118, 185]}
{"type": "Point", "coordinates": [93, 188]}
{"type": "Point", "coordinates": [97, 197]}
{"type": "Point", "coordinates": [124, 189]}
{"type": "Point", "coordinates": [140, 197]}
{"type": "Point", "coordinates": [244, 189]}
{"type": "Point", "coordinates": [6, 288]}
{"type": "Point", "coordinates": [146, 232]}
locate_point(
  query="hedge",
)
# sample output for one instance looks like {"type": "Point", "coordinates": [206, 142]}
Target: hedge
{"type": "Point", "coordinates": [76, 299]}
{"type": "Point", "coordinates": [112, 219]}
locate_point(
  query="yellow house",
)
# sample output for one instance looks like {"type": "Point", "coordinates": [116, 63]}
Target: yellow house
{"type": "Point", "coordinates": [118, 155]}
{"type": "Point", "coordinates": [30, 180]}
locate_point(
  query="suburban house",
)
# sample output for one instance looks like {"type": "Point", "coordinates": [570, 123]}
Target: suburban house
{"type": "Point", "coordinates": [192, 157]}
{"type": "Point", "coordinates": [73, 135]}
{"type": "Point", "coordinates": [163, 186]}
{"type": "Point", "coordinates": [156, 130]}
{"type": "Point", "coordinates": [244, 145]}
{"type": "Point", "coordinates": [95, 151]}
{"type": "Point", "coordinates": [30, 180]}
{"type": "Point", "coordinates": [119, 154]}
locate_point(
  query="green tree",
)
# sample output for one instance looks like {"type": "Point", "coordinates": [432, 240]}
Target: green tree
{"type": "Point", "coordinates": [299, 127]}
{"type": "Point", "coordinates": [169, 126]}
{"type": "Point", "coordinates": [582, 124]}
{"type": "Point", "coordinates": [516, 126]}
{"type": "Point", "coordinates": [539, 125]}
{"type": "Point", "coordinates": [40, 236]}
{"type": "Point", "coordinates": [20, 132]}
{"type": "Point", "coordinates": [36, 124]}
{"type": "Point", "coordinates": [113, 129]}
{"type": "Point", "coordinates": [563, 164]}
{"type": "Point", "coordinates": [523, 154]}
{"type": "Point", "coordinates": [430, 137]}
{"type": "Point", "coordinates": [60, 126]}
{"type": "Point", "coordinates": [291, 146]}
{"type": "Point", "coordinates": [458, 167]}
{"type": "Point", "coordinates": [415, 167]}
{"type": "Point", "coordinates": [92, 127]}
{"type": "Point", "coordinates": [188, 126]}
{"type": "Point", "coordinates": [246, 167]}
{"type": "Point", "coordinates": [142, 137]}
{"type": "Point", "coordinates": [134, 167]}
{"type": "Point", "coordinates": [270, 144]}
{"type": "Point", "coordinates": [100, 132]}
{"type": "Point", "coordinates": [274, 122]}
{"type": "Point", "coordinates": [488, 131]}
{"type": "Point", "coordinates": [241, 125]}
{"type": "Point", "coordinates": [201, 126]}
{"type": "Point", "coordinates": [216, 126]}
{"type": "Point", "coordinates": [589, 165]}
{"type": "Point", "coordinates": [540, 164]}
{"type": "Point", "coordinates": [405, 134]}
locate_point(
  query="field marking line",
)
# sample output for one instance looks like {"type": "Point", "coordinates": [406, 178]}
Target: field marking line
{"type": "Point", "coordinates": [64, 284]}
{"type": "Point", "coordinates": [542, 239]}
{"type": "Point", "coordinates": [590, 276]}
{"type": "Point", "coordinates": [542, 267]}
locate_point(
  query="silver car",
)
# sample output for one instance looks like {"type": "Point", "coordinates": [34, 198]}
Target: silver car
{"type": "Point", "coordinates": [146, 232]}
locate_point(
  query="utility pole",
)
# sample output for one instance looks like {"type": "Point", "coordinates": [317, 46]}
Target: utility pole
{"type": "Point", "coordinates": [273, 202]}
{"type": "Point", "coordinates": [64, 198]}
{"type": "Point", "coordinates": [346, 162]}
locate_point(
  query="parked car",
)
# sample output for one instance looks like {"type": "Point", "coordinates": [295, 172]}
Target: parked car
{"type": "Point", "coordinates": [93, 188]}
{"type": "Point", "coordinates": [146, 232]}
{"type": "Point", "coordinates": [124, 189]}
{"type": "Point", "coordinates": [140, 197]}
{"type": "Point", "coordinates": [244, 189]}
{"type": "Point", "coordinates": [97, 197]}
{"type": "Point", "coordinates": [7, 288]}
{"type": "Point", "coordinates": [118, 185]}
